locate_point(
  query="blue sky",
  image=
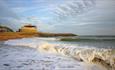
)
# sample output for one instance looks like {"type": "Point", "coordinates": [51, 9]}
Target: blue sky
{"type": "Point", "coordinates": [83, 17]}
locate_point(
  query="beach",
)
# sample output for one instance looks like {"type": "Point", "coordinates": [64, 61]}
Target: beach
{"type": "Point", "coordinates": [17, 35]}
{"type": "Point", "coordinates": [57, 34]}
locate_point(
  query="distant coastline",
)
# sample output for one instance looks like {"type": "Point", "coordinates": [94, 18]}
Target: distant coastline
{"type": "Point", "coordinates": [26, 31]}
{"type": "Point", "coordinates": [17, 35]}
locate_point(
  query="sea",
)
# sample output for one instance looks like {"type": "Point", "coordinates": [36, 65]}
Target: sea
{"type": "Point", "coordinates": [59, 53]}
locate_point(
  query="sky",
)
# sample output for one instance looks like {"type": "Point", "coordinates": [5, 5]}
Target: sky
{"type": "Point", "coordinates": [82, 17]}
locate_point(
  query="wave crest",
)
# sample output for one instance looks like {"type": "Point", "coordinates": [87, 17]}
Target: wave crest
{"type": "Point", "coordinates": [105, 57]}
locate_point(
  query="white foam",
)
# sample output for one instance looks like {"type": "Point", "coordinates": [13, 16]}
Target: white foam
{"type": "Point", "coordinates": [90, 55]}
{"type": "Point", "coordinates": [19, 58]}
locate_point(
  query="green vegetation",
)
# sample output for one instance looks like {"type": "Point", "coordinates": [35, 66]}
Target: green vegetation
{"type": "Point", "coordinates": [84, 40]}
{"type": "Point", "coordinates": [9, 30]}
{"type": "Point", "coordinates": [44, 34]}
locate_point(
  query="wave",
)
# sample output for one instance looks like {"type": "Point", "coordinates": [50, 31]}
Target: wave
{"type": "Point", "coordinates": [50, 38]}
{"type": "Point", "coordinates": [105, 57]}
{"type": "Point", "coordinates": [86, 39]}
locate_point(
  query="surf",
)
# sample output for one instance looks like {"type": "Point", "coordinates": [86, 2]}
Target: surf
{"type": "Point", "coordinates": [104, 57]}
{"type": "Point", "coordinates": [92, 55]}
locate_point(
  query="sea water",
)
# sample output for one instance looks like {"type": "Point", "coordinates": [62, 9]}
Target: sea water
{"type": "Point", "coordinates": [88, 49]}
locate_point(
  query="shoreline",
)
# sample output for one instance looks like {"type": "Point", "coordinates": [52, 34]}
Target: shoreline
{"type": "Point", "coordinates": [17, 35]}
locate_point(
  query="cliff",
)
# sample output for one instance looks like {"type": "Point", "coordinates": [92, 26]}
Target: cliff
{"type": "Point", "coordinates": [27, 31]}
{"type": "Point", "coordinates": [16, 35]}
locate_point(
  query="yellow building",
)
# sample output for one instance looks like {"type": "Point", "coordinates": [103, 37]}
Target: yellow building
{"type": "Point", "coordinates": [28, 28]}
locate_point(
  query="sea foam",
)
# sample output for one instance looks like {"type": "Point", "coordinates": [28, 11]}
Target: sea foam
{"type": "Point", "coordinates": [105, 57]}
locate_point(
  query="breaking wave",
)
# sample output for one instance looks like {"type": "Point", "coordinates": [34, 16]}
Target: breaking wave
{"type": "Point", "coordinates": [87, 39]}
{"type": "Point", "coordinates": [105, 57]}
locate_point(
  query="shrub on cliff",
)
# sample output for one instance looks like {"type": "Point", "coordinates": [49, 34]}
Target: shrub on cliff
{"type": "Point", "coordinates": [6, 28]}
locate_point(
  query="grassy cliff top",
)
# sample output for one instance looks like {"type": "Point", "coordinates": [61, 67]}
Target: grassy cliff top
{"type": "Point", "coordinates": [9, 29]}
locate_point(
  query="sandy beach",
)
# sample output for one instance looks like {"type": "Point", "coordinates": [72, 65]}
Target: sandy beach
{"type": "Point", "coordinates": [15, 35]}
{"type": "Point", "coordinates": [18, 35]}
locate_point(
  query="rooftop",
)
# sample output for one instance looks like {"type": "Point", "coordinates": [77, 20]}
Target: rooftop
{"type": "Point", "coordinates": [29, 25]}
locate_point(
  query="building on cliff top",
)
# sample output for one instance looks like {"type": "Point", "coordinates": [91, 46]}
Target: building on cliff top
{"type": "Point", "coordinates": [28, 28]}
